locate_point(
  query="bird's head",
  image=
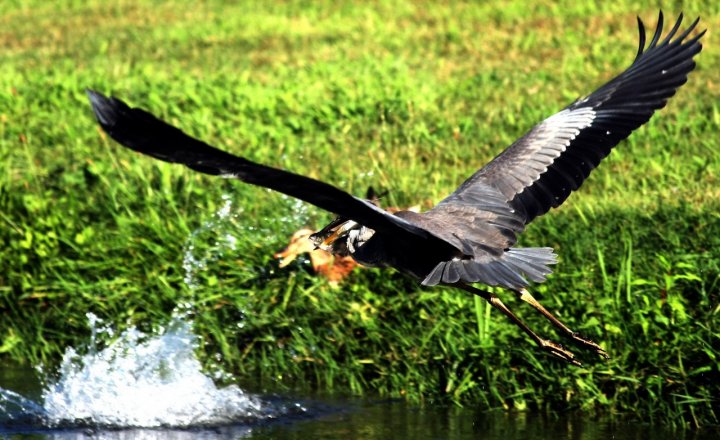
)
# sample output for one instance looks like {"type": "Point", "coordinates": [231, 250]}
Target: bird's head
{"type": "Point", "coordinates": [333, 237]}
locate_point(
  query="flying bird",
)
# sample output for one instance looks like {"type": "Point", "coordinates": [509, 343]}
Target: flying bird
{"type": "Point", "coordinates": [470, 236]}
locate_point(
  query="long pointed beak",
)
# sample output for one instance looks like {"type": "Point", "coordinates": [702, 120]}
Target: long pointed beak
{"type": "Point", "coordinates": [331, 238]}
{"type": "Point", "coordinates": [335, 234]}
{"type": "Point", "coordinates": [330, 226]}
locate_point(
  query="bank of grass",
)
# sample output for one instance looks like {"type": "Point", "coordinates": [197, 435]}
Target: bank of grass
{"type": "Point", "coordinates": [409, 98]}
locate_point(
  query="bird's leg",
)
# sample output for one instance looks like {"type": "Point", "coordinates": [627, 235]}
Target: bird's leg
{"type": "Point", "coordinates": [528, 298]}
{"type": "Point", "coordinates": [552, 347]}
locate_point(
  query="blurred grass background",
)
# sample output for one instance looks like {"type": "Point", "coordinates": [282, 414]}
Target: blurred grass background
{"type": "Point", "coordinates": [411, 97]}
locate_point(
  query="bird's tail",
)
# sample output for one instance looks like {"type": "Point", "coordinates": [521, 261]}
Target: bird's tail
{"type": "Point", "coordinates": [512, 270]}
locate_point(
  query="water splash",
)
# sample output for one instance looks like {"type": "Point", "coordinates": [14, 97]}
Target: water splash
{"type": "Point", "coordinates": [17, 408]}
{"type": "Point", "coordinates": [218, 237]}
{"type": "Point", "coordinates": [210, 241]}
{"type": "Point", "coordinates": [150, 381]}
{"type": "Point", "coordinates": [139, 380]}
{"type": "Point", "coordinates": [142, 380]}
{"type": "Point", "coordinates": [145, 381]}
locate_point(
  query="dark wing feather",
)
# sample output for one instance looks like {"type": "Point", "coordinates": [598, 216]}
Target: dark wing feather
{"type": "Point", "coordinates": [143, 132]}
{"type": "Point", "coordinates": [479, 222]}
{"type": "Point", "coordinates": [541, 169]}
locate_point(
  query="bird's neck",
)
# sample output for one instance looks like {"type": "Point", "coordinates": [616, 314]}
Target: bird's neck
{"type": "Point", "coordinates": [358, 237]}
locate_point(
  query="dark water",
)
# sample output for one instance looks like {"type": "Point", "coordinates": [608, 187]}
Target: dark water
{"type": "Point", "coordinates": [397, 420]}
{"type": "Point", "coordinates": [386, 420]}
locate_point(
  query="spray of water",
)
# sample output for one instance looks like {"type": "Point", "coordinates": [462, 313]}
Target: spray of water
{"type": "Point", "coordinates": [138, 380]}
{"type": "Point", "coordinates": [17, 408]}
{"type": "Point", "coordinates": [150, 380]}
{"type": "Point", "coordinates": [210, 241]}
{"type": "Point", "coordinates": [145, 381]}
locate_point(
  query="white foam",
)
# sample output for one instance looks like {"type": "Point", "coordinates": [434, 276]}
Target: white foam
{"type": "Point", "coordinates": [144, 381]}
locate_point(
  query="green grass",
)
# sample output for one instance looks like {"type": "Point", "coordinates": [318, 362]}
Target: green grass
{"type": "Point", "coordinates": [409, 98]}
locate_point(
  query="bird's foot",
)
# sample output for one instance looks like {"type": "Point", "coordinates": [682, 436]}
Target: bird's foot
{"type": "Point", "coordinates": [524, 295]}
{"type": "Point", "coordinates": [558, 350]}
{"type": "Point", "coordinates": [589, 344]}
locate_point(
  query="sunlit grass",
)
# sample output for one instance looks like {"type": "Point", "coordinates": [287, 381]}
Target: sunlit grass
{"type": "Point", "coordinates": [402, 96]}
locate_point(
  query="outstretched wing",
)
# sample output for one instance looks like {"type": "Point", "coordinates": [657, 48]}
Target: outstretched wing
{"type": "Point", "coordinates": [542, 168]}
{"type": "Point", "coordinates": [143, 132]}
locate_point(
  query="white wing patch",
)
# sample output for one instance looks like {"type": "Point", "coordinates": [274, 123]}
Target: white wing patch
{"type": "Point", "coordinates": [537, 150]}
{"type": "Point", "coordinates": [552, 136]}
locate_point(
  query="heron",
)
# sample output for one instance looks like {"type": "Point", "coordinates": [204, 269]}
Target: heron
{"type": "Point", "coordinates": [470, 236]}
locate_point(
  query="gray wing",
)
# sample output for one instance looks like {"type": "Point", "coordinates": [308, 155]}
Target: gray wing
{"type": "Point", "coordinates": [542, 168]}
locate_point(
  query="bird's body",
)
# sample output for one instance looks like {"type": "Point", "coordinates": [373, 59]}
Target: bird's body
{"type": "Point", "coordinates": [470, 236]}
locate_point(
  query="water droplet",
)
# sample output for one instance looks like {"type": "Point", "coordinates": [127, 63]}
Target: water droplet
{"type": "Point", "coordinates": [218, 231]}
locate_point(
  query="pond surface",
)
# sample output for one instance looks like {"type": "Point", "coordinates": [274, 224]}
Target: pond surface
{"type": "Point", "coordinates": [323, 418]}
{"type": "Point", "coordinates": [152, 386]}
